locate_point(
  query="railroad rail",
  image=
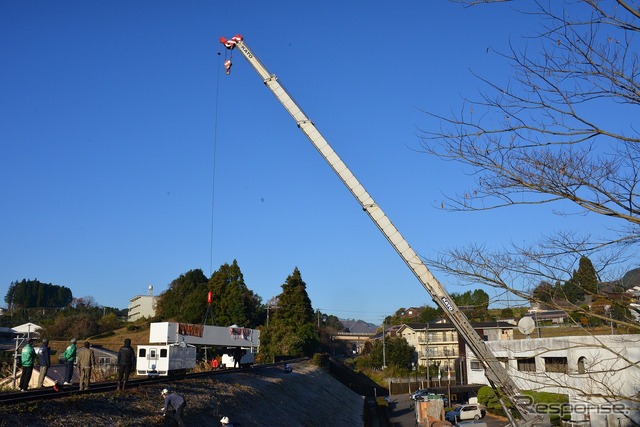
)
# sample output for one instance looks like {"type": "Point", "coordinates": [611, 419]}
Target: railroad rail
{"type": "Point", "coordinates": [49, 393]}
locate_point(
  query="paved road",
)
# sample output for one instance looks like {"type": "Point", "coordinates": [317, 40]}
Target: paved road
{"type": "Point", "coordinates": [402, 414]}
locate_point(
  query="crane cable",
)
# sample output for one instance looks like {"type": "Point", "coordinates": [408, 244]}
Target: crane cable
{"type": "Point", "coordinates": [213, 173]}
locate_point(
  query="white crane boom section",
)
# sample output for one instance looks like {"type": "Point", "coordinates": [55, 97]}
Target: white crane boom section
{"type": "Point", "coordinates": [495, 371]}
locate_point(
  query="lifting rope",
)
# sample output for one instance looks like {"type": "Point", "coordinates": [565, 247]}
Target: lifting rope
{"type": "Point", "coordinates": [213, 173]}
{"type": "Point", "coordinates": [229, 44]}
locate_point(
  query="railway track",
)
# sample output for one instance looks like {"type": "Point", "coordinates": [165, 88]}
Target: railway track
{"type": "Point", "coordinates": [49, 393]}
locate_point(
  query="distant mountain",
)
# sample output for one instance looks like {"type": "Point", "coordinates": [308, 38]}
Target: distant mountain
{"type": "Point", "coordinates": [359, 326]}
{"type": "Point", "coordinates": [631, 279]}
{"type": "Point", "coordinates": [628, 281]}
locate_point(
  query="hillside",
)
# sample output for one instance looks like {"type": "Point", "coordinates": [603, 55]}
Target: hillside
{"type": "Point", "coordinates": [306, 397]}
{"type": "Point", "coordinates": [358, 326]}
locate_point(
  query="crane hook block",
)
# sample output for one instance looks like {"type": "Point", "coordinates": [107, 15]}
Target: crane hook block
{"type": "Point", "coordinates": [231, 43]}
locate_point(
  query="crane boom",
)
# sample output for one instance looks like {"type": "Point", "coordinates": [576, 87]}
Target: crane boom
{"type": "Point", "coordinates": [494, 370]}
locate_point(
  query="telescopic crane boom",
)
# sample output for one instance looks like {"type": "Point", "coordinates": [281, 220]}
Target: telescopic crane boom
{"type": "Point", "coordinates": [494, 370]}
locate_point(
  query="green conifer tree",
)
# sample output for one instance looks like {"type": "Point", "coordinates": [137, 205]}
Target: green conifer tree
{"type": "Point", "coordinates": [233, 302]}
{"type": "Point", "coordinates": [291, 330]}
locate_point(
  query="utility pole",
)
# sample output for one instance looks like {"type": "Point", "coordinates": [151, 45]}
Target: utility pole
{"type": "Point", "coordinates": [426, 340]}
{"type": "Point", "coordinates": [384, 355]}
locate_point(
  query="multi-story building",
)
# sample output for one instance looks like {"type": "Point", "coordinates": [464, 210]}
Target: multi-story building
{"type": "Point", "coordinates": [141, 306]}
{"type": "Point", "coordinates": [439, 346]}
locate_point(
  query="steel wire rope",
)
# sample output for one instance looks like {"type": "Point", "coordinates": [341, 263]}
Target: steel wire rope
{"type": "Point", "coordinates": [213, 172]}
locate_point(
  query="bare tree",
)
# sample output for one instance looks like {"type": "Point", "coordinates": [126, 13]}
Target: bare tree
{"type": "Point", "coordinates": [538, 139]}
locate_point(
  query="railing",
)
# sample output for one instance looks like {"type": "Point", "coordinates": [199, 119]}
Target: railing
{"type": "Point", "coordinates": [437, 340]}
{"type": "Point", "coordinates": [438, 354]}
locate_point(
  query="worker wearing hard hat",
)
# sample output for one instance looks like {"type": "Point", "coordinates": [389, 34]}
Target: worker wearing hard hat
{"type": "Point", "coordinates": [176, 402]}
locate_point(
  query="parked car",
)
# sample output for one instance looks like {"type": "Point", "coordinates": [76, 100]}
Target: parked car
{"type": "Point", "coordinates": [465, 412]}
{"type": "Point", "coordinates": [429, 395]}
{"type": "Point", "coordinates": [418, 394]}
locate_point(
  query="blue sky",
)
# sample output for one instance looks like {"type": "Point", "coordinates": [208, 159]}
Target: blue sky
{"type": "Point", "coordinates": [114, 116]}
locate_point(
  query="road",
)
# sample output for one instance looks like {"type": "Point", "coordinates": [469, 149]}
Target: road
{"type": "Point", "coordinates": [402, 414]}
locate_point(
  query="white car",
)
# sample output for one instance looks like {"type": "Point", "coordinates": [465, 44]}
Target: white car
{"type": "Point", "coordinates": [465, 412]}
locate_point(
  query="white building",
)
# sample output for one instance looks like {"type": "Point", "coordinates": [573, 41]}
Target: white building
{"type": "Point", "coordinates": [141, 306]}
{"type": "Point", "coordinates": [600, 374]}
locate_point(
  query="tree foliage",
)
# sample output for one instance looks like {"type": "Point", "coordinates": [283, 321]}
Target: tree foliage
{"type": "Point", "coordinates": [474, 304]}
{"type": "Point", "coordinates": [582, 284]}
{"type": "Point", "coordinates": [186, 298]}
{"type": "Point", "coordinates": [291, 330]}
{"type": "Point", "coordinates": [81, 321]}
{"type": "Point", "coordinates": [429, 314]}
{"type": "Point", "coordinates": [33, 293]}
{"type": "Point", "coordinates": [233, 302]}
{"type": "Point", "coordinates": [394, 351]}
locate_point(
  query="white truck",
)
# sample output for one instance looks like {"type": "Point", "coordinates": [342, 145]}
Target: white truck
{"type": "Point", "coordinates": [495, 371]}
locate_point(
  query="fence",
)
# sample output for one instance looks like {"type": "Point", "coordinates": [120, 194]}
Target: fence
{"type": "Point", "coordinates": [406, 386]}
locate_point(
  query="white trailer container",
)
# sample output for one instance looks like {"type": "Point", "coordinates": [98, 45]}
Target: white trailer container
{"type": "Point", "coordinates": [172, 346]}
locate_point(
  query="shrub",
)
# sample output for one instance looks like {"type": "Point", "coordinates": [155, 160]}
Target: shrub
{"type": "Point", "coordinates": [320, 359]}
{"type": "Point", "coordinates": [558, 409]}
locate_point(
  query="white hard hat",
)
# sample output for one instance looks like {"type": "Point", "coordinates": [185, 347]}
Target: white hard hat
{"type": "Point", "coordinates": [165, 391]}
{"type": "Point", "coordinates": [224, 420]}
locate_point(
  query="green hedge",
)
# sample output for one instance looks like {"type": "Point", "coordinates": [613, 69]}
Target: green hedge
{"type": "Point", "coordinates": [553, 404]}
{"type": "Point", "coordinates": [558, 405]}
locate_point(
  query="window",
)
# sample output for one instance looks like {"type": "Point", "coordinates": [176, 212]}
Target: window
{"type": "Point", "coordinates": [527, 364]}
{"type": "Point", "coordinates": [555, 364]}
{"type": "Point", "coordinates": [163, 352]}
{"type": "Point", "coordinates": [142, 352]}
{"type": "Point", "coordinates": [104, 360]}
{"type": "Point", "coordinates": [581, 367]}
{"type": "Point", "coordinates": [475, 365]}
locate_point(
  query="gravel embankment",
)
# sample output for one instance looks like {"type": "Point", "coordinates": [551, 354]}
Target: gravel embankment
{"type": "Point", "coordinates": [306, 397]}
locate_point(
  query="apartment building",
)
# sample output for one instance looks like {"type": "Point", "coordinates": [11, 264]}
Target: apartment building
{"type": "Point", "coordinates": [439, 346]}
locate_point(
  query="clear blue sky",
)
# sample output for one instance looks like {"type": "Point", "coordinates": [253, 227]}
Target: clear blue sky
{"type": "Point", "coordinates": [114, 114]}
